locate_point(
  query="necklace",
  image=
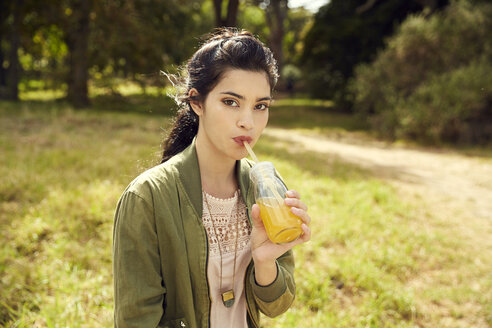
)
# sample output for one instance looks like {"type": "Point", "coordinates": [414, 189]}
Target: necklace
{"type": "Point", "coordinates": [228, 295]}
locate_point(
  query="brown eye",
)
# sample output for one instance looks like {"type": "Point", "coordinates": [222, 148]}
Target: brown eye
{"type": "Point", "coordinates": [231, 102]}
{"type": "Point", "coordinates": [261, 107]}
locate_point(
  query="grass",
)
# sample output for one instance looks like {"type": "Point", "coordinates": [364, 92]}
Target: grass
{"type": "Point", "coordinates": [371, 248]}
{"type": "Point", "coordinates": [309, 115]}
{"type": "Point", "coordinates": [377, 258]}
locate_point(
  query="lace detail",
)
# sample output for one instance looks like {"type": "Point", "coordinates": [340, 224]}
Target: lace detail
{"type": "Point", "coordinates": [224, 215]}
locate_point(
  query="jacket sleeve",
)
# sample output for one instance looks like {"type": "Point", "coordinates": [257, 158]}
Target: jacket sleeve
{"type": "Point", "coordinates": [277, 297]}
{"type": "Point", "coordinates": [138, 284]}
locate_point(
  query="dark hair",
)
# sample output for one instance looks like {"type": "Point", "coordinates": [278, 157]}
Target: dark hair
{"type": "Point", "coordinates": [225, 49]}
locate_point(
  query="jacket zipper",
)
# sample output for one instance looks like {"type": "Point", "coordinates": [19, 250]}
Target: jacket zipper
{"type": "Point", "coordinates": [208, 283]}
{"type": "Point", "coordinates": [248, 303]}
{"type": "Point", "coordinates": [246, 277]}
{"type": "Point", "coordinates": [252, 319]}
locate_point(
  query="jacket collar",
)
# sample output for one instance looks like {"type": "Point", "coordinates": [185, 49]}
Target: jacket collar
{"type": "Point", "coordinates": [189, 175]}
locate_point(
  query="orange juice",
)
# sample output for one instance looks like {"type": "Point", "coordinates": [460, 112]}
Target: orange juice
{"type": "Point", "coordinates": [281, 225]}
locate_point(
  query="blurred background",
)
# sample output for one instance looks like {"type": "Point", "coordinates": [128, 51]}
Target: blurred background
{"type": "Point", "coordinates": [382, 118]}
{"type": "Point", "coordinates": [433, 56]}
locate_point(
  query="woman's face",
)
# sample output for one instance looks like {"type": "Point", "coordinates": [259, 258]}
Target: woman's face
{"type": "Point", "coordinates": [235, 110]}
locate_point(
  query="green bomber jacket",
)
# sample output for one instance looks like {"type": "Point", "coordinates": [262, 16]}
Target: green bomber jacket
{"type": "Point", "coordinates": [160, 252]}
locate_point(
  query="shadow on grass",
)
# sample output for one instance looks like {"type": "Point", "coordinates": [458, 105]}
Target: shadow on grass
{"type": "Point", "coordinates": [139, 103]}
{"type": "Point", "coordinates": [142, 104]}
{"type": "Point", "coordinates": [308, 116]}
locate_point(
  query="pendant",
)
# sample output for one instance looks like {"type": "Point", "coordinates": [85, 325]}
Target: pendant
{"type": "Point", "coordinates": [228, 298]}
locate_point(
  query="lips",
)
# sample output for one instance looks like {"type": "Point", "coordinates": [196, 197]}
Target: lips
{"type": "Point", "coordinates": [239, 140]}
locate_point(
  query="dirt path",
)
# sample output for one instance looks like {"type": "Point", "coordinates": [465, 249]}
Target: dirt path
{"type": "Point", "coordinates": [446, 177]}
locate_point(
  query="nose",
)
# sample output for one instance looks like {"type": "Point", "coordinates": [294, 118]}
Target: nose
{"type": "Point", "coordinates": [245, 120]}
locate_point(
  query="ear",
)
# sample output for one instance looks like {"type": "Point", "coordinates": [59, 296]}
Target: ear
{"type": "Point", "coordinates": [196, 105]}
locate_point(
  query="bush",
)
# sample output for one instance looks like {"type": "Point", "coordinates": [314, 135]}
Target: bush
{"type": "Point", "coordinates": [454, 106]}
{"type": "Point", "coordinates": [346, 33]}
{"type": "Point", "coordinates": [433, 80]}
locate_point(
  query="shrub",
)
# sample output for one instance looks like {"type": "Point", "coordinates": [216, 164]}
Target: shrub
{"type": "Point", "coordinates": [346, 33]}
{"type": "Point", "coordinates": [433, 80]}
{"type": "Point", "coordinates": [454, 106]}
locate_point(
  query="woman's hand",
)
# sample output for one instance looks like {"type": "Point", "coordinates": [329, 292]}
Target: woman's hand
{"type": "Point", "coordinates": [264, 251]}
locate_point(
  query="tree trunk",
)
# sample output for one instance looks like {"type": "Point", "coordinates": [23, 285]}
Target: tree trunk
{"type": "Point", "coordinates": [3, 71]}
{"type": "Point", "coordinates": [277, 16]}
{"type": "Point", "coordinates": [231, 18]}
{"type": "Point", "coordinates": [4, 10]}
{"type": "Point", "coordinates": [78, 44]}
{"type": "Point", "coordinates": [232, 8]}
{"type": "Point", "coordinates": [218, 13]}
{"type": "Point", "coordinates": [13, 72]}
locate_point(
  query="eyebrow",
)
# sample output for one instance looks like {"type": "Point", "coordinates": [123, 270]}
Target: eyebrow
{"type": "Point", "coordinates": [242, 97]}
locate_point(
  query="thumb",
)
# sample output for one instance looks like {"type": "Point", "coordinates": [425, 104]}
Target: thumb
{"type": "Point", "coordinates": [255, 214]}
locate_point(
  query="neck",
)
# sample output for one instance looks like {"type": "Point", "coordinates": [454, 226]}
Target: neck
{"type": "Point", "coordinates": [217, 172]}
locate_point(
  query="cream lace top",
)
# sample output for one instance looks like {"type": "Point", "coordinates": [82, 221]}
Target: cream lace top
{"type": "Point", "coordinates": [224, 214]}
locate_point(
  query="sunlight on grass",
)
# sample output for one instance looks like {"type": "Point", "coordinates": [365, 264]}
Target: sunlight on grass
{"type": "Point", "coordinates": [375, 259]}
{"type": "Point", "coordinates": [39, 91]}
{"type": "Point", "coordinates": [42, 95]}
{"type": "Point", "coordinates": [126, 88]}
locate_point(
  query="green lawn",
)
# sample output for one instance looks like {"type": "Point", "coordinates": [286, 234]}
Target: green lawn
{"type": "Point", "coordinates": [63, 170]}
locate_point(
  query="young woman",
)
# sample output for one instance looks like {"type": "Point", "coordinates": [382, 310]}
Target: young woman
{"type": "Point", "coordinates": [190, 249]}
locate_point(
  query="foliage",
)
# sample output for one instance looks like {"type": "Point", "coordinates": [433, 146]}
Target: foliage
{"type": "Point", "coordinates": [252, 18]}
{"type": "Point", "coordinates": [297, 24]}
{"type": "Point", "coordinates": [297, 21]}
{"type": "Point", "coordinates": [344, 34]}
{"type": "Point", "coordinates": [131, 39]}
{"type": "Point", "coordinates": [432, 82]}
{"type": "Point", "coordinates": [135, 39]}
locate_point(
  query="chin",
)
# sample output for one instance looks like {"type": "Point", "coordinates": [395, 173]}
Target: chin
{"type": "Point", "coordinates": [240, 155]}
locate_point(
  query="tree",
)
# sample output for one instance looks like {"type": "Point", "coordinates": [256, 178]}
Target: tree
{"type": "Point", "coordinates": [231, 15]}
{"type": "Point", "coordinates": [9, 78]}
{"type": "Point", "coordinates": [346, 33]}
{"type": "Point", "coordinates": [282, 28]}
{"type": "Point", "coordinates": [64, 40]}
{"type": "Point", "coordinates": [432, 80]}
{"type": "Point", "coordinates": [276, 14]}
{"type": "Point", "coordinates": [77, 39]}
{"type": "Point", "coordinates": [298, 22]}
{"type": "Point", "coordinates": [71, 19]}
{"type": "Point", "coordinates": [4, 9]}
{"type": "Point", "coordinates": [135, 39]}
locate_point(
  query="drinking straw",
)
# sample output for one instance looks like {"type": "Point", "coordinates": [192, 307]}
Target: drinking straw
{"type": "Point", "coordinates": [268, 182]}
{"type": "Point", "coordinates": [250, 151]}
